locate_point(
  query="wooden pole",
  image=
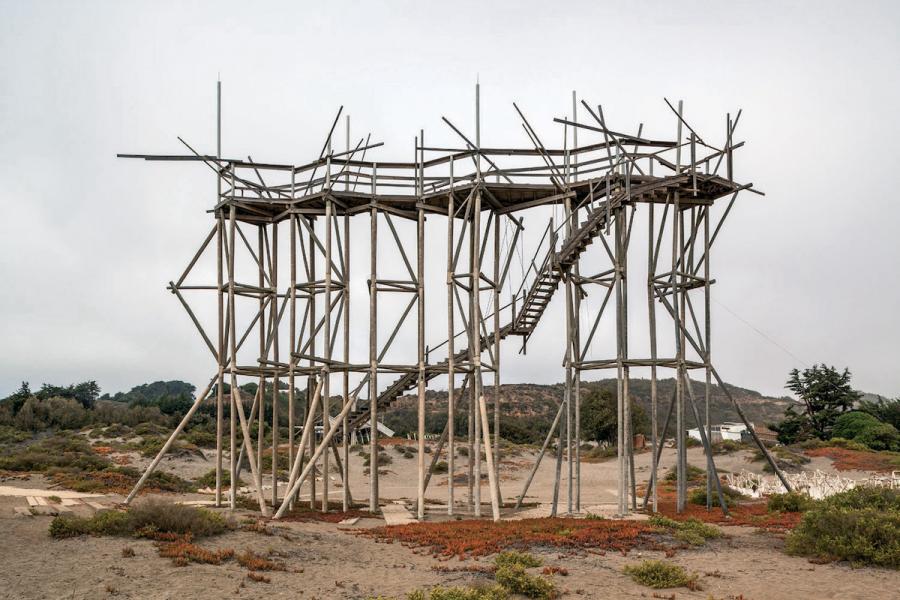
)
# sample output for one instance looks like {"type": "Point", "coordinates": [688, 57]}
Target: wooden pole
{"type": "Point", "coordinates": [373, 349]}
{"type": "Point", "coordinates": [420, 305]}
{"type": "Point", "coordinates": [451, 350]}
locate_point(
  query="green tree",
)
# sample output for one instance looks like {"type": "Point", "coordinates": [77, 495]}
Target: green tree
{"type": "Point", "coordinates": [599, 419]}
{"type": "Point", "coordinates": [825, 393]}
{"type": "Point", "coordinates": [17, 399]}
{"type": "Point", "coordinates": [884, 409]}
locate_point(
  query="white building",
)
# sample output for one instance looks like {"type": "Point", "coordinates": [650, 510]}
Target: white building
{"type": "Point", "coordinates": [724, 431]}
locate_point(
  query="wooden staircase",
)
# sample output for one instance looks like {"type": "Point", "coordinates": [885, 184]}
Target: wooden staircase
{"type": "Point", "coordinates": [537, 299]}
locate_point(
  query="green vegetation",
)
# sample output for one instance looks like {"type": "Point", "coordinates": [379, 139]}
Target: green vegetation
{"type": "Point", "coordinates": [692, 531]}
{"type": "Point", "coordinates": [866, 430]}
{"type": "Point", "coordinates": [659, 575]}
{"type": "Point", "coordinates": [493, 592]}
{"type": "Point", "coordinates": [785, 458]}
{"type": "Point", "coordinates": [790, 502]}
{"type": "Point", "coordinates": [861, 525]}
{"type": "Point", "coordinates": [145, 519]}
{"type": "Point", "coordinates": [70, 461]}
{"type": "Point", "coordinates": [826, 394]}
{"type": "Point", "coordinates": [512, 558]}
{"type": "Point", "coordinates": [694, 474]}
{"type": "Point", "coordinates": [511, 576]}
{"type": "Point", "coordinates": [731, 495]}
{"type": "Point", "coordinates": [886, 411]}
{"type": "Point", "coordinates": [517, 581]}
{"type": "Point", "coordinates": [208, 479]}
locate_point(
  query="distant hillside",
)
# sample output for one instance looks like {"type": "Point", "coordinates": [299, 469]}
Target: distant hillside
{"type": "Point", "coordinates": [535, 405]}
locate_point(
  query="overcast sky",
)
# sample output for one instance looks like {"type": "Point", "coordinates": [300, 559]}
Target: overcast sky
{"type": "Point", "coordinates": [88, 242]}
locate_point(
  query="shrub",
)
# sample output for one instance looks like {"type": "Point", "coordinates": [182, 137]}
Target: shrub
{"type": "Point", "coordinates": [790, 502]}
{"type": "Point", "coordinates": [441, 466]}
{"type": "Point", "coordinates": [11, 435]}
{"type": "Point", "coordinates": [167, 517]}
{"type": "Point", "coordinates": [514, 557]}
{"type": "Point", "coordinates": [494, 592]}
{"type": "Point", "coordinates": [851, 424]}
{"type": "Point", "coordinates": [839, 442]}
{"type": "Point", "coordinates": [880, 437]}
{"type": "Point", "coordinates": [692, 531]}
{"type": "Point", "coordinates": [59, 451]}
{"type": "Point", "coordinates": [658, 574]}
{"type": "Point", "coordinates": [383, 459]}
{"type": "Point", "coordinates": [867, 430]}
{"type": "Point", "coordinates": [693, 474]}
{"type": "Point", "coordinates": [731, 495]}
{"type": "Point", "coordinates": [861, 525]}
{"type": "Point", "coordinates": [146, 519]}
{"type": "Point", "coordinates": [201, 438]}
{"type": "Point", "coordinates": [516, 580]}
{"type": "Point", "coordinates": [208, 479]}
{"type": "Point", "coordinates": [878, 498]}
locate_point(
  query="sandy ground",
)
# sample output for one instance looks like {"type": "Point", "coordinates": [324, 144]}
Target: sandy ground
{"type": "Point", "coordinates": [326, 562]}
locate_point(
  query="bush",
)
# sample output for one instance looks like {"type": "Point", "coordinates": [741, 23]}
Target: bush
{"type": "Point", "coordinates": [516, 580]}
{"type": "Point", "coordinates": [861, 525]}
{"type": "Point", "coordinates": [494, 592]}
{"type": "Point", "coordinates": [201, 438]}
{"type": "Point", "coordinates": [839, 442]}
{"type": "Point", "coordinates": [790, 502]}
{"type": "Point", "coordinates": [693, 474]}
{"type": "Point", "coordinates": [851, 424]}
{"type": "Point", "coordinates": [441, 466]}
{"type": "Point", "coordinates": [692, 531]}
{"type": "Point", "coordinates": [659, 575]}
{"type": "Point", "coordinates": [731, 495]}
{"type": "Point", "coordinates": [867, 430]}
{"type": "Point", "coordinates": [146, 519]}
{"type": "Point", "coordinates": [880, 437]}
{"type": "Point", "coordinates": [516, 558]}
{"type": "Point", "coordinates": [208, 479]}
{"type": "Point", "coordinates": [59, 451]}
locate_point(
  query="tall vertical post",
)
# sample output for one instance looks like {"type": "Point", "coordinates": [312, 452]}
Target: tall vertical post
{"type": "Point", "coordinates": [651, 310]}
{"type": "Point", "coordinates": [220, 302]}
{"type": "Point", "coordinates": [373, 348]}
{"type": "Point", "coordinates": [345, 442]}
{"type": "Point", "coordinates": [326, 318]}
{"type": "Point", "coordinates": [496, 344]}
{"type": "Point", "coordinates": [311, 400]}
{"type": "Point", "coordinates": [292, 333]}
{"type": "Point", "coordinates": [261, 389]}
{"type": "Point", "coordinates": [567, 393]}
{"type": "Point", "coordinates": [273, 326]}
{"type": "Point", "coordinates": [675, 287]}
{"type": "Point", "coordinates": [621, 390]}
{"type": "Point", "coordinates": [345, 463]}
{"type": "Point", "coordinates": [420, 305]}
{"type": "Point", "coordinates": [451, 349]}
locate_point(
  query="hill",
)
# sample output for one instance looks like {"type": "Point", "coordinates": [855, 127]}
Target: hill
{"type": "Point", "coordinates": [529, 409]}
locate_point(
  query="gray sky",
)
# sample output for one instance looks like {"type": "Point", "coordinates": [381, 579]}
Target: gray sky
{"type": "Point", "coordinates": [88, 242]}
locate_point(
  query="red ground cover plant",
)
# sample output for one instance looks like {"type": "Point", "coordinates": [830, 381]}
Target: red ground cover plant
{"type": "Point", "coordinates": [335, 514]}
{"type": "Point", "coordinates": [473, 538]}
{"type": "Point", "coordinates": [856, 460]}
{"type": "Point", "coordinates": [753, 513]}
{"type": "Point", "coordinates": [749, 513]}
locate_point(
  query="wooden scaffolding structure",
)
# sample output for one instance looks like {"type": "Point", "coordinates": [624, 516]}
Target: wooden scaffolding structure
{"type": "Point", "coordinates": [285, 322]}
